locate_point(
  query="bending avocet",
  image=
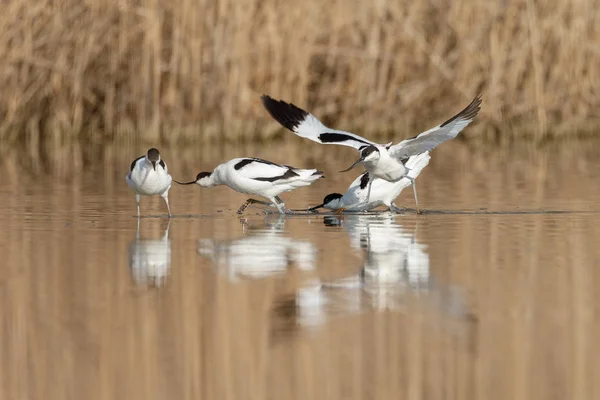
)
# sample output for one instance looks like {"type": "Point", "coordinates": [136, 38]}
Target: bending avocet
{"type": "Point", "coordinates": [256, 176]}
{"type": "Point", "coordinates": [382, 192]}
{"type": "Point", "coordinates": [148, 176]}
{"type": "Point", "coordinates": [384, 161]}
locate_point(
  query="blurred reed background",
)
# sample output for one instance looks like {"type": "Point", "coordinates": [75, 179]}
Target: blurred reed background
{"type": "Point", "coordinates": [193, 70]}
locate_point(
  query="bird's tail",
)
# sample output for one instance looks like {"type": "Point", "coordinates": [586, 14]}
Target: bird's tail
{"type": "Point", "coordinates": [416, 164]}
{"type": "Point", "coordinates": [309, 175]}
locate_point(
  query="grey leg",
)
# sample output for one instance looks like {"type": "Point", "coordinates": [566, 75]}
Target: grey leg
{"type": "Point", "coordinates": [414, 185]}
{"type": "Point", "coordinates": [285, 209]}
{"type": "Point", "coordinates": [165, 197]}
{"type": "Point", "coordinates": [281, 206]}
{"type": "Point", "coordinates": [393, 207]}
{"type": "Point", "coordinates": [251, 201]}
{"type": "Point", "coordinates": [137, 200]}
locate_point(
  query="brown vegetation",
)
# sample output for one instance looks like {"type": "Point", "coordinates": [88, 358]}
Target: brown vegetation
{"type": "Point", "coordinates": [194, 69]}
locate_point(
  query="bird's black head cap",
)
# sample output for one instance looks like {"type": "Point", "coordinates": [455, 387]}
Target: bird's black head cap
{"type": "Point", "coordinates": [202, 175]}
{"type": "Point", "coordinates": [367, 150]}
{"type": "Point", "coordinates": [153, 155]}
{"type": "Point", "coordinates": [331, 196]}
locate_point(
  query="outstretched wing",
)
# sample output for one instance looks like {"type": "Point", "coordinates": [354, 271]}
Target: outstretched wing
{"type": "Point", "coordinates": [430, 139]}
{"type": "Point", "coordinates": [263, 170]}
{"type": "Point", "coordinates": [306, 125]}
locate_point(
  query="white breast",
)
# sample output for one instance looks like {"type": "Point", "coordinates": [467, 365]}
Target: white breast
{"type": "Point", "coordinates": [386, 168]}
{"type": "Point", "coordinates": [147, 181]}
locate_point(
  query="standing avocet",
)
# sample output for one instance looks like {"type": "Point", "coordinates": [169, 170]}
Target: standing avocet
{"type": "Point", "coordinates": [148, 176]}
{"type": "Point", "coordinates": [260, 177]}
{"type": "Point", "coordinates": [384, 161]}
{"type": "Point", "coordinates": [382, 192]}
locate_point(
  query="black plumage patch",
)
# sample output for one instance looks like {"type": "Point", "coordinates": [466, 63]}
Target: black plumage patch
{"type": "Point", "coordinates": [331, 197]}
{"type": "Point", "coordinates": [469, 112]}
{"type": "Point", "coordinates": [135, 162]}
{"type": "Point", "coordinates": [331, 137]}
{"type": "Point", "coordinates": [286, 114]}
{"type": "Point", "coordinates": [203, 175]}
{"type": "Point", "coordinates": [162, 164]}
{"type": "Point", "coordinates": [364, 180]}
{"type": "Point", "coordinates": [368, 150]}
{"type": "Point", "coordinates": [287, 175]}
{"type": "Point", "coordinates": [247, 161]}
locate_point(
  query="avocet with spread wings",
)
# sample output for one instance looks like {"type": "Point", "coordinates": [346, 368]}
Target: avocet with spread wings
{"type": "Point", "coordinates": [384, 161]}
{"type": "Point", "coordinates": [383, 193]}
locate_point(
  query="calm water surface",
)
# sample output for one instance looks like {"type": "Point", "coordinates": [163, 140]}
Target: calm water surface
{"type": "Point", "coordinates": [491, 294]}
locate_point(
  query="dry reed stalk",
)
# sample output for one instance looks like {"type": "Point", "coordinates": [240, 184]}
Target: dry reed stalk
{"type": "Point", "coordinates": [150, 70]}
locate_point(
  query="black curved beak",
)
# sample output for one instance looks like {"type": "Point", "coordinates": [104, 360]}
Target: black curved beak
{"type": "Point", "coordinates": [353, 165]}
{"type": "Point", "coordinates": [153, 164]}
{"type": "Point", "coordinates": [184, 183]}
{"type": "Point", "coordinates": [312, 208]}
{"type": "Point", "coordinates": [316, 207]}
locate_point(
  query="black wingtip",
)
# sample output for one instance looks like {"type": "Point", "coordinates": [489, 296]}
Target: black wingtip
{"type": "Point", "coordinates": [469, 112]}
{"type": "Point", "coordinates": [286, 114]}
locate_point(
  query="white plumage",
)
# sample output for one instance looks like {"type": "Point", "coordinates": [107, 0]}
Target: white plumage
{"type": "Point", "coordinates": [383, 193]}
{"type": "Point", "coordinates": [382, 161]}
{"type": "Point", "coordinates": [260, 177]}
{"type": "Point", "coordinates": [148, 176]}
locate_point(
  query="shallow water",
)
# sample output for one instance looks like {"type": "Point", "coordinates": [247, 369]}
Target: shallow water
{"type": "Point", "coordinates": [490, 294]}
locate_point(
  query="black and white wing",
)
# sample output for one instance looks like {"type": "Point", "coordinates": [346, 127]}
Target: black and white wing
{"type": "Point", "coordinates": [134, 163]}
{"type": "Point", "coordinates": [306, 125]}
{"type": "Point", "coordinates": [263, 170]}
{"type": "Point", "coordinates": [430, 139]}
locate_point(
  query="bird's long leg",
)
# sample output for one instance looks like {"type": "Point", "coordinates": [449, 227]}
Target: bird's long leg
{"type": "Point", "coordinates": [137, 200]}
{"type": "Point", "coordinates": [165, 197]}
{"type": "Point", "coordinates": [340, 210]}
{"type": "Point", "coordinates": [393, 207]}
{"type": "Point", "coordinates": [414, 185]}
{"type": "Point", "coordinates": [281, 206]}
{"type": "Point", "coordinates": [251, 201]}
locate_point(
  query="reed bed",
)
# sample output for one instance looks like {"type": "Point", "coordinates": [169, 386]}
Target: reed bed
{"type": "Point", "coordinates": [193, 70]}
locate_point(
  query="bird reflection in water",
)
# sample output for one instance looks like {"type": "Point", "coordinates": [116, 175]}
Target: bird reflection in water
{"type": "Point", "coordinates": [260, 253]}
{"type": "Point", "coordinates": [395, 269]}
{"type": "Point", "coordinates": [150, 259]}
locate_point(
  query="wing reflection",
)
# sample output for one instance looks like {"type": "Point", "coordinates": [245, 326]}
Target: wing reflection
{"type": "Point", "coordinates": [261, 253]}
{"type": "Point", "coordinates": [395, 270]}
{"type": "Point", "coordinates": [150, 259]}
